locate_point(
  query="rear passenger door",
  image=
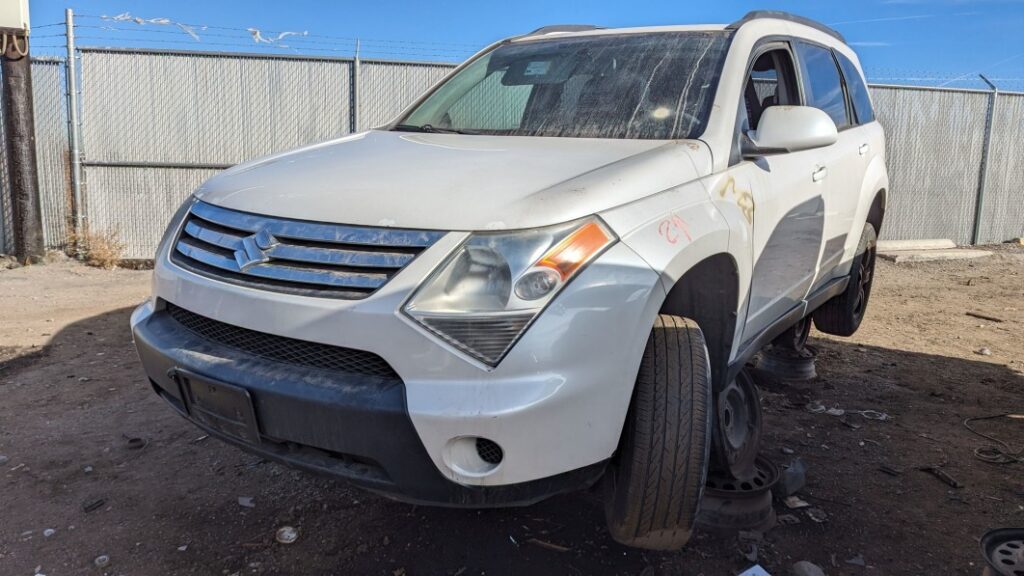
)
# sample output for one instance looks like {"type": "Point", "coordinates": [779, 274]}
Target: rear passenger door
{"type": "Point", "coordinates": [867, 136]}
{"type": "Point", "coordinates": [841, 165]}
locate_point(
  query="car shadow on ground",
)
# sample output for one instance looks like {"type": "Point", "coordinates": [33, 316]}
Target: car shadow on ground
{"type": "Point", "coordinates": [173, 505]}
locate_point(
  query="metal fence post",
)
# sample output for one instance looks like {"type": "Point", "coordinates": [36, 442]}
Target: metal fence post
{"type": "Point", "coordinates": [979, 201]}
{"type": "Point", "coordinates": [353, 104]}
{"type": "Point", "coordinates": [71, 81]}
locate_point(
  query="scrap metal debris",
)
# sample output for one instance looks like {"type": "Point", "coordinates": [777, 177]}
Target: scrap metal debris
{"type": "Point", "coordinates": [817, 514]}
{"type": "Point", "coordinates": [805, 568]}
{"type": "Point", "coordinates": [816, 407]}
{"type": "Point", "coordinates": [984, 317]}
{"type": "Point", "coordinates": [889, 470]}
{"type": "Point", "coordinates": [547, 545]}
{"type": "Point", "coordinates": [795, 502]}
{"type": "Point", "coordinates": [1000, 452]}
{"type": "Point", "coordinates": [286, 535]}
{"type": "Point", "coordinates": [791, 480]}
{"type": "Point", "coordinates": [787, 519]}
{"type": "Point", "coordinates": [857, 560]}
{"type": "Point", "coordinates": [93, 505]}
{"type": "Point", "coordinates": [942, 475]}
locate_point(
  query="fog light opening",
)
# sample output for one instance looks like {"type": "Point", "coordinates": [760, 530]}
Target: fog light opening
{"type": "Point", "coordinates": [473, 456]}
{"type": "Point", "coordinates": [489, 451]}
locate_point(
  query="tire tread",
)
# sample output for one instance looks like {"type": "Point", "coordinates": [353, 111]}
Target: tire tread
{"type": "Point", "coordinates": [663, 458]}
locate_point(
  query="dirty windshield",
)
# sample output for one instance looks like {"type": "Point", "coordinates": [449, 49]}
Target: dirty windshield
{"type": "Point", "coordinates": [643, 86]}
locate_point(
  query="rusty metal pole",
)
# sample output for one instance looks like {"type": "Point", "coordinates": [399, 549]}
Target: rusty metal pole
{"type": "Point", "coordinates": [71, 83]}
{"type": "Point", "coordinates": [353, 93]}
{"type": "Point", "coordinates": [986, 143]}
{"type": "Point", "coordinates": [21, 148]}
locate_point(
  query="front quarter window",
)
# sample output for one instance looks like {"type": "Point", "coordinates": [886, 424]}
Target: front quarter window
{"type": "Point", "coordinates": [641, 86]}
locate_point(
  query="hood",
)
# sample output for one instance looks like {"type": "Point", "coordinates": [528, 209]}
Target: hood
{"type": "Point", "coordinates": [454, 182]}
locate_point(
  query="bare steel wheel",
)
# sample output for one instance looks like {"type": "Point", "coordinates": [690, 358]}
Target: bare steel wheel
{"type": "Point", "coordinates": [795, 338]}
{"type": "Point", "coordinates": [737, 435]}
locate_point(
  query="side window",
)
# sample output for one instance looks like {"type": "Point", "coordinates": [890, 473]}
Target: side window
{"type": "Point", "coordinates": [771, 82]}
{"type": "Point", "coordinates": [858, 91]}
{"type": "Point", "coordinates": [823, 86]}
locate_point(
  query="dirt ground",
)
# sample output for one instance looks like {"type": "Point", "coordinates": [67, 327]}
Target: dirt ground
{"type": "Point", "coordinates": [72, 393]}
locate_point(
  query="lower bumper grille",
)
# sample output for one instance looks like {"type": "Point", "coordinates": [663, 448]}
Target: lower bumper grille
{"type": "Point", "coordinates": [281, 348]}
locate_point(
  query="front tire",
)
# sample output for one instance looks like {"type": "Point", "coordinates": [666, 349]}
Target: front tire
{"type": "Point", "coordinates": [655, 484]}
{"type": "Point", "coordinates": [842, 315]}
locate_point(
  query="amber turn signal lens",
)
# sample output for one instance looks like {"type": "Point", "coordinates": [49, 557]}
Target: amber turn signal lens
{"type": "Point", "coordinates": [575, 249]}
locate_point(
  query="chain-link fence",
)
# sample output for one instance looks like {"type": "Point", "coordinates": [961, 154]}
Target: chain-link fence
{"type": "Point", "coordinates": [52, 157]}
{"type": "Point", "coordinates": [1002, 214]}
{"type": "Point", "coordinates": [934, 141]}
{"type": "Point", "coordinates": [155, 124]}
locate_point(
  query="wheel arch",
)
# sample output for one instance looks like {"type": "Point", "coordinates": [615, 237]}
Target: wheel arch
{"type": "Point", "coordinates": [876, 213]}
{"type": "Point", "coordinates": [708, 293]}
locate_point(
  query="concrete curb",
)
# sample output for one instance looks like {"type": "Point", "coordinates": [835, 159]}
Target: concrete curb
{"type": "Point", "coordinates": [904, 256]}
{"type": "Point", "coordinates": [898, 245]}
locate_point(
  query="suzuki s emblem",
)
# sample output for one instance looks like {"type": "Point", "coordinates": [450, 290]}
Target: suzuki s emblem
{"type": "Point", "coordinates": [254, 249]}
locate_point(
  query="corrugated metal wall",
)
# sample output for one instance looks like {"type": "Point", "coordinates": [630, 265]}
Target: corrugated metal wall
{"type": "Point", "coordinates": [207, 109]}
{"type": "Point", "coordinates": [934, 142]}
{"type": "Point", "coordinates": [1003, 206]}
{"type": "Point", "coordinates": [156, 124]}
{"type": "Point", "coordinates": [386, 88]}
{"type": "Point", "coordinates": [184, 111]}
{"type": "Point", "coordinates": [137, 202]}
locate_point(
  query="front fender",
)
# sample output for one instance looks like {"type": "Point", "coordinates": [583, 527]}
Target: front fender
{"type": "Point", "coordinates": [686, 229]}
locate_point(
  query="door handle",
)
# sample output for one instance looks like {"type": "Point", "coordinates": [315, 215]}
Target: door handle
{"type": "Point", "coordinates": [819, 174]}
{"type": "Point", "coordinates": [863, 149]}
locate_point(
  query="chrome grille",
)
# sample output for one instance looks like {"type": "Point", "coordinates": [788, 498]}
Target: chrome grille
{"type": "Point", "coordinates": [285, 255]}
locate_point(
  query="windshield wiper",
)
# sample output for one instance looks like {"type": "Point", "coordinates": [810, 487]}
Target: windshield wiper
{"type": "Point", "coordinates": [429, 129]}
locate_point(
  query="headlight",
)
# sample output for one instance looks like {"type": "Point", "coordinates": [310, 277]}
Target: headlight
{"type": "Point", "coordinates": [486, 294]}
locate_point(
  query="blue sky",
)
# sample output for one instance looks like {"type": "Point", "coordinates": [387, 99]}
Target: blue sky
{"type": "Point", "coordinates": [902, 40]}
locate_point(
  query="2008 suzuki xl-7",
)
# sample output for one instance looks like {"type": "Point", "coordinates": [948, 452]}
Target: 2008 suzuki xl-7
{"type": "Point", "coordinates": [550, 270]}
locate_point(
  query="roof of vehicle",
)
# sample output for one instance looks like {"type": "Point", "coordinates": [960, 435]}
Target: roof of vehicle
{"type": "Point", "coordinates": [562, 30]}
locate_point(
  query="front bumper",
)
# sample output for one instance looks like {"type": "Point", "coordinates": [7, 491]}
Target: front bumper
{"type": "Point", "coordinates": [351, 426]}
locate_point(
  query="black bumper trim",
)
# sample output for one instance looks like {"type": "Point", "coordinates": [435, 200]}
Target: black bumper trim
{"type": "Point", "coordinates": [350, 426]}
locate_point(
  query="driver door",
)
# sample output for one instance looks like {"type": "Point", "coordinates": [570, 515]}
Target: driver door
{"type": "Point", "coordinates": [788, 191]}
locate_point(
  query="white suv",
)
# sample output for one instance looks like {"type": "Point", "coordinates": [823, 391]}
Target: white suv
{"type": "Point", "coordinates": [549, 271]}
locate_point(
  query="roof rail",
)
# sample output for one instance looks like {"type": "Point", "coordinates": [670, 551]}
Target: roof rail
{"type": "Point", "coordinates": [564, 28]}
{"type": "Point", "coordinates": [779, 15]}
